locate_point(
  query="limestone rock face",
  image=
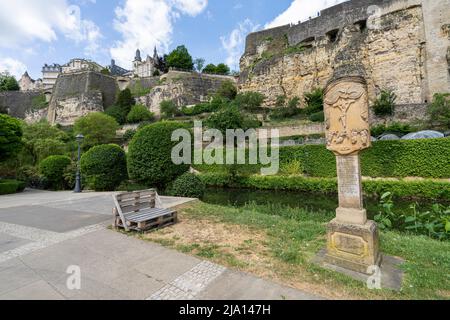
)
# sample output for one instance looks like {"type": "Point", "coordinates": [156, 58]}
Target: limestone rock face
{"type": "Point", "coordinates": [66, 111]}
{"type": "Point", "coordinates": [401, 50]}
{"type": "Point", "coordinates": [34, 116]}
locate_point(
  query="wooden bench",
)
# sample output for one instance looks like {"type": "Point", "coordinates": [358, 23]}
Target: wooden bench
{"type": "Point", "coordinates": [141, 211]}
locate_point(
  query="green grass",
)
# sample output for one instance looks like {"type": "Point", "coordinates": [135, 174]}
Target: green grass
{"type": "Point", "coordinates": [294, 236]}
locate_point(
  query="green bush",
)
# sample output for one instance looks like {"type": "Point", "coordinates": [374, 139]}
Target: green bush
{"type": "Point", "coordinates": [231, 118]}
{"type": "Point", "coordinates": [169, 109]}
{"type": "Point", "coordinates": [129, 134]}
{"type": "Point", "coordinates": [11, 186]}
{"type": "Point", "coordinates": [395, 128]}
{"type": "Point", "coordinates": [104, 167]}
{"type": "Point", "coordinates": [139, 113]}
{"type": "Point", "coordinates": [227, 90]}
{"type": "Point", "coordinates": [149, 155]}
{"type": "Point", "coordinates": [97, 128]}
{"type": "Point", "coordinates": [32, 177]}
{"type": "Point", "coordinates": [44, 148]}
{"type": "Point", "coordinates": [187, 185]}
{"type": "Point", "coordinates": [10, 136]}
{"type": "Point", "coordinates": [118, 113]}
{"type": "Point", "coordinates": [125, 100]}
{"type": "Point", "coordinates": [249, 101]}
{"type": "Point", "coordinates": [421, 189]}
{"type": "Point", "coordinates": [439, 111]}
{"type": "Point", "coordinates": [314, 101]}
{"type": "Point", "coordinates": [53, 169]}
{"type": "Point", "coordinates": [385, 103]}
{"type": "Point", "coordinates": [317, 117]}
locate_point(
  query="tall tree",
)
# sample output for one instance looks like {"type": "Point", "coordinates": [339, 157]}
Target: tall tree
{"type": "Point", "coordinates": [199, 64]}
{"type": "Point", "coordinates": [180, 59]}
{"type": "Point", "coordinates": [8, 82]}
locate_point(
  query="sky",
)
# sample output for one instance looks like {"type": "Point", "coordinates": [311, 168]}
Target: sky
{"type": "Point", "coordinates": [35, 32]}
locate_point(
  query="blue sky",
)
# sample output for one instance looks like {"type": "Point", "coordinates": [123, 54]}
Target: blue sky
{"type": "Point", "coordinates": [34, 32]}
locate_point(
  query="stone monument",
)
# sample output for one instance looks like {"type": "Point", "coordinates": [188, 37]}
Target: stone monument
{"type": "Point", "coordinates": [352, 239]}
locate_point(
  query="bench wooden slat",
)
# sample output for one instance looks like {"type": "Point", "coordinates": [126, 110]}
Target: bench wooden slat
{"type": "Point", "coordinates": [149, 216]}
{"type": "Point", "coordinates": [137, 208]}
{"type": "Point", "coordinates": [135, 195]}
{"type": "Point", "coordinates": [144, 212]}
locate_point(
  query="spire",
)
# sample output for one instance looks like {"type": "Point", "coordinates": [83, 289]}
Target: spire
{"type": "Point", "coordinates": [138, 55]}
{"type": "Point", "coordinates": [155, 54]}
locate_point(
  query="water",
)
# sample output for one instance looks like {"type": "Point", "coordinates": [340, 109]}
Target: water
{"type": "Point", "coordinates": [308, 201]}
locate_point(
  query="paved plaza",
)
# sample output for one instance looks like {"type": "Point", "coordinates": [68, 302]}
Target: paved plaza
{"type": "Point", "coordinates": [44, 235]}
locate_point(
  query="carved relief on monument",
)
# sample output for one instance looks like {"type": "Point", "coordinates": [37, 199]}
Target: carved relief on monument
{"type": "Point", "coordinates": [347, 116]}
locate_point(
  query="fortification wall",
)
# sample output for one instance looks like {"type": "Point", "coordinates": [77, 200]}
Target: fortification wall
{"type": "Point", "coordinates": [17, 103]}
{"type": "Point", "coordinates": [183, 88]}
{"type": "Point", "coordinates": [401, 50]}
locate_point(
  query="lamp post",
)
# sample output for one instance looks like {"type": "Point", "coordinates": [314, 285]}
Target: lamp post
{"type": "Point", "coordinates": [79, 139]}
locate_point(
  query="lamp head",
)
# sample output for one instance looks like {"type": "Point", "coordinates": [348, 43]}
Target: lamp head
{"type": "Point", "coordinates": [79, 137]}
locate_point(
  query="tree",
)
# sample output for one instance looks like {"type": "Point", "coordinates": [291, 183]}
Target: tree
{"type": "Point", "coordinates": [10, 136]}
{"type": "Point", "coordinates": [249, 101]}
{"type": "Point", "coordinates": [210, 68]}
{"type": "Point", "coordinates": [199, 64]}
{"type": "Point", "coordinates": [439, 111]}
{"type": "Point", "coordinates": [222, 69]}
{"type": "Point", "coordinates": [139, 113]}
{"type": "Point", "coordinates": [180, 59]}
{"type": "Point", "coordinates": [169, 109]}
{"type": "Point", "coordinates": [125, 100]}
{"type": "Point", "coordinates": [227, 90]}
{"type": "Point", "coordinates": [314, 101]}
{"type": "Point", "coordinates": [231, 118]}
{"type": "Point", "coordinates": [97, 128]}
{"type": "Point", "coordinates": [8, 82]}
{"type": "Point", "coordinates": [385, 103]}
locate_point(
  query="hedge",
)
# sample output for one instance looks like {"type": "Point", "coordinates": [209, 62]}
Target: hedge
{"type": "Point", "coordinates": [427, 158]}
{"type": "Point", "coordinates": [53, 169]}
{"type": "Point", "coordinates": [423, 189]}
{"type": "Point", "coordinates": [11, 186]}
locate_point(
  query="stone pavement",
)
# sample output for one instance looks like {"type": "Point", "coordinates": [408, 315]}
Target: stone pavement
{"type": "Point", "coordinates": [45, 235]}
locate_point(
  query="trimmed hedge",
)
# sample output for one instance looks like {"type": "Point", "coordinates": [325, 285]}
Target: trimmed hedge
{"type": "Point", "coordinates": [53, 168]}
{"type": "Point", "coordinates": [11, 186]}
{"type": "Point", "coordinates": [149, 155]}
{"type": "Point", "coordinates": [427, 158]}
{"type": "Point", "coordinates": [104, 167]}
{"type": "Point", "coordinates": [187, 185]}
{"type": "Point", "coordinates": [426, 189]}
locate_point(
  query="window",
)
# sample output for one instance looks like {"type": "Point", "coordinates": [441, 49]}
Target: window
{"type": "Point", "coordinates": [333, 35]}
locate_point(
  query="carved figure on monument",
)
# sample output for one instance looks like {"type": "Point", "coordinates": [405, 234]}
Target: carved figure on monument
{"type": "Point", "coordinates": [346, 113]}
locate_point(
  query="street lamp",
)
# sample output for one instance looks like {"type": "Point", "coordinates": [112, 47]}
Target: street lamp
{"type": "Point", "coordinates": [79, 139]}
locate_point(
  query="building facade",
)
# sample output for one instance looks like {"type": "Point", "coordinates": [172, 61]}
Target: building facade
{"type": "Point", "coordinates": [49, 75]}
{"type": "Point", "coordinates": [76, 65]}
{"type": "Point", "coordinates": [115, 70]}
{"type": "Point", "coordinates": [148, 67]}
{"type": "Point", "coordinates": [26, 83]}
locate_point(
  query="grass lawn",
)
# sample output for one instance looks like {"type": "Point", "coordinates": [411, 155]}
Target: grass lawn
{"type": "Point", "coordinates": [278, 243]}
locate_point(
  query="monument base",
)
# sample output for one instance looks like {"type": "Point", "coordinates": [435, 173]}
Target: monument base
{"type": "Point", "coordinates": [352, 246]}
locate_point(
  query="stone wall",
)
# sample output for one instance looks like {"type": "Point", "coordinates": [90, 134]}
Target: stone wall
{"type": "Point", "coordinates": [183, 88]}
{"type": "Point", "coordinates": [393, 49]}
{"type": "Point", "coordinates": [17, 103]}
{"type": "Point", "coordinates": [77, 94]}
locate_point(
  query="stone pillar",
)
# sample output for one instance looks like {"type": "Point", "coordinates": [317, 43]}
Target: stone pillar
{"type": "Point", "coordinates": [352, 239]}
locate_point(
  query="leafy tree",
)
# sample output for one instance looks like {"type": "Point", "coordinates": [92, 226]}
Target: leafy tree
{"type": "Point", "coordinates": [314, 101]}
{"type": "Point", "coordinates": [8, 82]}
{"type": "Point", "coordinates": [139, 113]}
{"type": "Point", "coordinates": [249, 100]}
{"type": "Point", "coordinates": [227, 90]}
{"type": "Point", "coordinates": [10, 136]}
{"type": "Point", "coordinates": [439, 111]}
{"type": "Point", "coordinates": [97, 128]}
{"type": "Point", "coordinates": [199, 63]}
{"type": "Point", "coordinates": [180, 59]}
{"type": "Point", "coordinates": [222, 69]}
{"type": "Point", "coordinates": [169, 109]}
{"type": "Point", "coordinates": [230, 118]}
{"type": "Point", "coordinates": [385, 103]}
{"type": "Point", "coordinates": [118, 113]}
{"type": "Point", "coordinates": [125, 100]}
{"type": "Point", "coordinates": [210, 68]}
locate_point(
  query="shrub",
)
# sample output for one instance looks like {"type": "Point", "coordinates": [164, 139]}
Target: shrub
{"type": "Point", "coordinates": [129, 134]}
{"type": "Point", "coordinates": [169, 109]}
{"type": "Point", "coordinates": [39, 102]}
{"type": "Point", "coordinates": [280, 101]}
{"type": "Point", "coordinates": [317, 117]}
{"type": "Point", "coordinates": [250, 101]}
{"type": "Point", "coordinates": [53, 169]}
{"type": "Point", "coordinates": [314, 101]}
{"type": "Point", "coordinates": [149, 155]}
{"type": "Point", "coordinates": [125, 100]}
{"type": "Point", "coordinates": [32, 178]}
{"type": "Point", "coordinates": [439, 111]}
{"type": "Point", "coordinates": [104, 167]}
{"type": "Point", "coordinates": [10, 136]}
{"type": "Point", "coordinates": [97, 128]}
{"type": "Point", "coordinates": [139, 113]}
{"type": "Point", "coordinates": [118, 113]}
{"type": "Point", "coordinates": [293, 167]}
{"type": "Point", "coordinates": [227, 90]}
{"type": "Point", "coordinates": [11, 186]}
{"type": "Point", "coordinates": [187, 185]}
{"type": "Point", "coordinates": [395, 128]}
{"type": "Point", "coordinates": [231, 118]}
{"type": "Point", "coordinates": [43, 148]}
{"type": "Point", "coordinates": [385, 103]}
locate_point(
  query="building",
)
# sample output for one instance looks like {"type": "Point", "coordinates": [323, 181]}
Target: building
{"type": "Point", "coordinates": [115, 70]}
{"type": "Point", "coordinates": [76, 65]}
{"type": "Point", "coordinates": [49, 75]}
{"type": "Point", "coordinates": [147, 68]}
{"type": "Point", "coordinates": [26, 83]}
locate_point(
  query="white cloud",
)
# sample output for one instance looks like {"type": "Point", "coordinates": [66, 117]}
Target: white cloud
{"type": "Point", "coordinates": [145, 24]}
{"type": "Point", "coordinates": [235, 41]}
{"type": "Point", "coordinates": [13, 66]}
{"type": "Point", "coordinates": [23, 21]}
{"type": "Point", "coordinates": [301, 10]}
